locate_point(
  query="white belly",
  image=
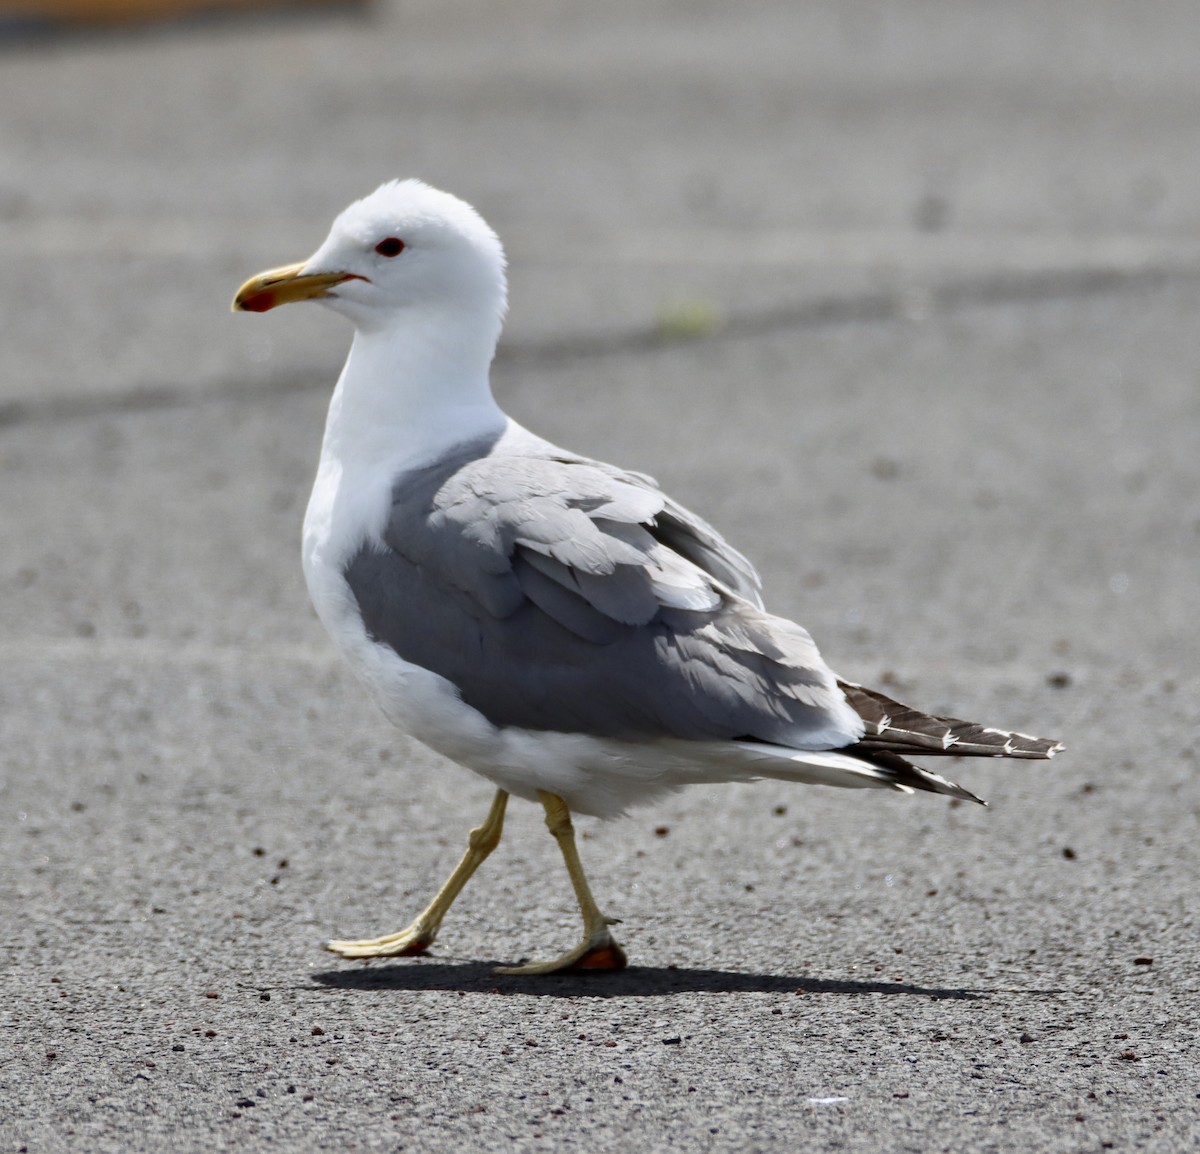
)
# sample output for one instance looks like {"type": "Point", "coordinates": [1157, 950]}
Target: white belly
{"type": "Point", "coordinates": [340, 519]}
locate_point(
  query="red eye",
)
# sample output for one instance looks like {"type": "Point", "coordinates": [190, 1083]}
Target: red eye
{"type": "Point", "coordinates": [392, 246]}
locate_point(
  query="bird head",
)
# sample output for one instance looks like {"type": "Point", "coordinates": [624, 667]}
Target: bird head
{"type": "Point", "coordinates": [405, 248]}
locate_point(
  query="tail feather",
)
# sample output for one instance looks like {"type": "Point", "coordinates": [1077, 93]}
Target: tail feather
{"type": "Point", "coordinates": [895, 728]}
{"type": "Point", "coordinates": [903, 775]}
{"type": "Point", "coordinates": [847, 768]}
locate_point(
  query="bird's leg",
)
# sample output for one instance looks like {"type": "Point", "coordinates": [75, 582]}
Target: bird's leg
{"type": "Point", "coordinates": [418, 937]}
{"type": "Point", "coordinates": [598, 950]}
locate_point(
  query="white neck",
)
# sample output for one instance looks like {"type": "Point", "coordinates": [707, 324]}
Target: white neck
{"type": "Point", "coordinates": [411, 391]}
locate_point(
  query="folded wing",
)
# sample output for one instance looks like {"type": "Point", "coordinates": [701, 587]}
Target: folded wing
{"type": "Point", "coordinates": [560, 594]}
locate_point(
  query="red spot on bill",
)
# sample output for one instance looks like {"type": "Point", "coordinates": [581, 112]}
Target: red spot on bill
{"type": "Point", "coordinates": [259, 302]}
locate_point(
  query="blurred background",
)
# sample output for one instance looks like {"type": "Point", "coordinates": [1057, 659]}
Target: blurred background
{"type": "Point", "coordinates": [901, 296]}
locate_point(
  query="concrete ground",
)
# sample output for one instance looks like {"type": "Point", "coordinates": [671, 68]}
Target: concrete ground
{"type": "Point", "coordinates": [915, 283]}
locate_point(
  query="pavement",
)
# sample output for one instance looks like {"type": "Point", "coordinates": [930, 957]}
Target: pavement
{"type": "Point", "coordinates": [918, 282]}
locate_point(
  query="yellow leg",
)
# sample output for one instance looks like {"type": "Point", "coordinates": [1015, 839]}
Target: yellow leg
{"type": "Point", "coordinates": [418, 937]}
{"type": "Point", "coordinates": [598, 950]}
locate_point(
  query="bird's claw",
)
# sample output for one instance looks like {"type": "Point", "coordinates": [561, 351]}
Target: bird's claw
{"type": "Point", "coordinates": [416, 939]}
{"type": "Point", "coordinates": [598, 951]}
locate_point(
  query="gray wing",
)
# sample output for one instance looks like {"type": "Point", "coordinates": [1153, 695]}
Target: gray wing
{"type": "Point", "coordinates": [560, 594]}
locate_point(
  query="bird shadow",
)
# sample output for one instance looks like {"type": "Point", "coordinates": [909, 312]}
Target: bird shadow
{"type": "Point", "coordinates": [634, 982]}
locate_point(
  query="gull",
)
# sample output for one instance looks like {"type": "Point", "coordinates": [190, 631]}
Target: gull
{"type": "Point", "coordinates": [558, 625]}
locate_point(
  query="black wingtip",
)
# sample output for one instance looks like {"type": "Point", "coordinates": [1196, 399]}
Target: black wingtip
{"type": "Point", "coordinates": [892, 725]}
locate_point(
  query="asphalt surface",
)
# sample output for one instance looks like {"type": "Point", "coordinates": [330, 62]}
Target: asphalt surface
{"type": "Point", "coordinates": [918, 282]}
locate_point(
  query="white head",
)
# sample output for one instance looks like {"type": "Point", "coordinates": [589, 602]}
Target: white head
{"type": "Point", "coordinates": [407, 248]}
